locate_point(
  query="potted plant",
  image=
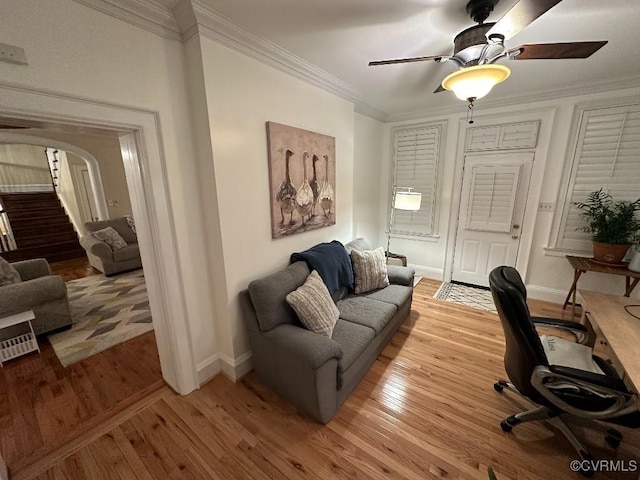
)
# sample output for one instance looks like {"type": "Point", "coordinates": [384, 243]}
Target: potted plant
{"type": "Point", "coordinates": [612, 225]}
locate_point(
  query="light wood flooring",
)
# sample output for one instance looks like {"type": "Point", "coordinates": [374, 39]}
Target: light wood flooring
{"type": "Point", "coordinates": [426, 409]}
{"type": "Point", "coordinates": [44, 406]}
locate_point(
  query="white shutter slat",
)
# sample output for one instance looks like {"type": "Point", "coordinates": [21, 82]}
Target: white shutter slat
{"type": "Point", "coordinates": [607, 156]}
{"type": "Point", "coordinates": [492, 197]}
{"type": "Point", "coordinates": [416, 152]}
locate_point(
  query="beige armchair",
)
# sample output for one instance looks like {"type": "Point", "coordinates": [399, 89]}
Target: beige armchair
{"type": "Point", "coordinates": [102, 257]}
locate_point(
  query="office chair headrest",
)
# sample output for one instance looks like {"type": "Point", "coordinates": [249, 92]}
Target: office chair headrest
{"type": "Point", "coordinates": [512, 276]}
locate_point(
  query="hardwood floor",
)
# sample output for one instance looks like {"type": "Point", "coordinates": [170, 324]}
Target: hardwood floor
{"type": "Point", "coordinates": [426, 409]}
{"type": "Point", "coordinates": [44, 406]}
{"type": "Point", "coordinates": [74, 269]}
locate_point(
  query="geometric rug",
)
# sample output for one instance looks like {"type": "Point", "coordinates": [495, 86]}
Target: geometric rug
{"type": "Point", "coordinates": [478, 298]}
{"type": "Point", "coordinates": [105, 311]}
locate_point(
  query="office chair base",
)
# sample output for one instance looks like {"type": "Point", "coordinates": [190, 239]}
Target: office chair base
{"type": "Point", "coordinates": [613, 438]}
{"type": "Point", "coordinates": [500, 385]}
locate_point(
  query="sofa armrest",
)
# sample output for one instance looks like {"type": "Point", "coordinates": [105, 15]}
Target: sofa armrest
{"type": "Point", "coordinates": [19, 297]}
{"type": "Point", "coordinates": [30, 269]}
{"type": "Point", "coordinates": [302, 346]}
{"type": "Point", "coordinates": [96, 247]}
{"type": "Point", "coordinates": [400, 275]}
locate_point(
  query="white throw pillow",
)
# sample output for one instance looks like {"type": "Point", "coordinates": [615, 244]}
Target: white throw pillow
{"type": "Point", "coordinates": [313, 305]}
{"type": "Point", "coordinates": [8, 274]}
{"type": "Point", "coordinates": [111, 237]}
{"type": "Point", "coordinates": [369, 270]}
{"type": "Point", "coordinates": [569, 354]}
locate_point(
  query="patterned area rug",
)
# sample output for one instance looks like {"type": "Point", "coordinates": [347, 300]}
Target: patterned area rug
{"type": "Point", "coordinates": [478, 298]}
{"type": "Point", "coordinates": [105, 311]}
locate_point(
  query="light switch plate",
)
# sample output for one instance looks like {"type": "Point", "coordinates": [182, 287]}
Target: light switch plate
{"type": "Point", "coordinates": [12, 54]}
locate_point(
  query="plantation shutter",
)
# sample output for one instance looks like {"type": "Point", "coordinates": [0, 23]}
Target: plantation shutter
{"type": "Point", "coordinates": [492, 198]}
{"type": "Point", "coordinates": [607, 156]}
{"type": "Point", "coordinates": [416, 152]}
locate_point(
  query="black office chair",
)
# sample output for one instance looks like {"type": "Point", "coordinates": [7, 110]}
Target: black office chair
{"type": "Point", "coordinates": [558, 391]}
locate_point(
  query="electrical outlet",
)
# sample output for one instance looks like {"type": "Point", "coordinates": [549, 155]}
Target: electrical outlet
{"type": "Point", "coordinates": [110, 203]}
{"type": "Point", "coordinates": [546, 207]}
{"type": "Point", "coordinates": [12, 54]}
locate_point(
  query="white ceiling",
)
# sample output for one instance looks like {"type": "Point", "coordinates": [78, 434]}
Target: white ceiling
{"type": "Point", "coordinates": [342, 36]}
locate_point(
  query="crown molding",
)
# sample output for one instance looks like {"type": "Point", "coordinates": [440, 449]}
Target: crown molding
{"type": "Point", "coordinates": [194, 16]}
{"type": "Point", "coordinates": [140, 13]}
{"type": "Point", "coordinates": [574, 90]}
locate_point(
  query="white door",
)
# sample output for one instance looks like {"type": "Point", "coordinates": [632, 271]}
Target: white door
{"type": "Point", "coordinates": [84, 193]}
{"type": "Point", "coordinates": [494, 193]}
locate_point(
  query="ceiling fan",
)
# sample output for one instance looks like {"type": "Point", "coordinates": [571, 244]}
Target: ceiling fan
{"type": "Point", "coordinates": [478, 48]}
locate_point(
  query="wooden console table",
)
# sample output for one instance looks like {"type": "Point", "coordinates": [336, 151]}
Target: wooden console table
{"type": "Point", "coordinates": [583, 265]}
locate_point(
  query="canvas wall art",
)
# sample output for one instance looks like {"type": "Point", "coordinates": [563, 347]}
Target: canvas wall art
{"type": "Point", "coordinates": [302, 179]}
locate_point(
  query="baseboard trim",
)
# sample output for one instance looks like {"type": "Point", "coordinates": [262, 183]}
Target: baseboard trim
{"type": "Point", "coordinates": [233, 369]}
{"type": "Point", "coordinates": [545, 293]}
{"type": "Point", "coordinates": [429, 272]}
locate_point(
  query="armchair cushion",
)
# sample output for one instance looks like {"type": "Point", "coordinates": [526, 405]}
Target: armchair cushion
{"type": "Point", "coordinates": [111, 237]}
{"type": "Point", "coordinates": [8, 274]}
{"type": "Point", "coordinates": [127, 253]}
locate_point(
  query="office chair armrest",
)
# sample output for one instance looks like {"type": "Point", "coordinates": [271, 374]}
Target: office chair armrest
{"type": "Point", "coordinates": [545, 376]}
{"type": "Point", "coordinates": [590, 377]}
{"type": "Point", "coordinates": [579, 331]}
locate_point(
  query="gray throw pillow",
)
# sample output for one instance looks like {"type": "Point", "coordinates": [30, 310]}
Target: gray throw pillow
{"type": "Point", "coordinates": [8, 273]}
{"type": "Point", "coordinates": [110, 237]}
{"type": "Point", "coordinates": [369, 270]}
{"type": "Point", "coordinates": [314, 306]}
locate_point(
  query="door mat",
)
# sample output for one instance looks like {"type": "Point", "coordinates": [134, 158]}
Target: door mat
{"type": "Point", "coordinates": [474, 297]}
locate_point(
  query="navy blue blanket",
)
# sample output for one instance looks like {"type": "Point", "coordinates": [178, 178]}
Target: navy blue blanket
{"type": "Point", "coordinates": [332, 263]}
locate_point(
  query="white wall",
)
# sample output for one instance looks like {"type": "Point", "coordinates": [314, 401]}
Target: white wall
{"type": "Point", "coordinates": [242, 95]}
{"type": "Point", "coordinates": [548, 276]}
{"type": "Point", "coordinates": [78, 51]}
{"type": "Point", "coordinates": [106, 151]}
{"type": "Point", "coordinates": [23, 165]}
{"type": "Point", "coordinates": [368, 162]}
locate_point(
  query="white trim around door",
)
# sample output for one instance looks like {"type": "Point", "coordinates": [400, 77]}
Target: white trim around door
{"type": "Point", "coordinates": [141, 146]}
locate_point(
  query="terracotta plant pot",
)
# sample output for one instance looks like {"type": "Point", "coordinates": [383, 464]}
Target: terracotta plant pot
{"type": "Point", "coordinates": [609, 253]}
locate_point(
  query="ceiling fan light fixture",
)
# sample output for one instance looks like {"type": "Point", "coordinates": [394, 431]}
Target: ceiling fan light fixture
{"type": "Point", "coordinates": [475, 82]}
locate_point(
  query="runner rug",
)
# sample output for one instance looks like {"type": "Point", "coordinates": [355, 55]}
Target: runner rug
{"type": "Point", "coordinates": [473, 297]}
{"type": "Point", "coordinates": [106, 311]}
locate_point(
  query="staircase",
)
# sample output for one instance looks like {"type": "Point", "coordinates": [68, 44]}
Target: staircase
{"type": "Point", "coordinates": [41, 228]}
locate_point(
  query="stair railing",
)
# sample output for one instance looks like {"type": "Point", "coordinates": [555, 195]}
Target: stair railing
{"type": "Point", "coordinates": [7, 240]}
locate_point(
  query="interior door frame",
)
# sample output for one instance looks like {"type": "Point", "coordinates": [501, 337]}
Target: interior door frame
{"type": "Point", "coordinates": [141, 147]}
{"type": "Point", "coordinates": [546, 118]}
{"type": "Point", "coordinates": [78, 182]}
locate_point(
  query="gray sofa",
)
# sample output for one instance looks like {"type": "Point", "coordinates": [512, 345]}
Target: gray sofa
{"type": "Point", "coordinates": [315, 372]}
{"type": "Point", "coordinates": [40, 291]}
{"type": "Point", "coordinates": [102, 257]}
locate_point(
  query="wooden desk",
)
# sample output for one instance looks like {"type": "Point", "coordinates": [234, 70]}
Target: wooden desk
{"type": "Point", "coordinates": [621, 331]}
{"type": "Point", "coordinates": [582, 265]}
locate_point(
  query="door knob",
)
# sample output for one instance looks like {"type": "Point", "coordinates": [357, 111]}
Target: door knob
{"type": "Point", "coordinates": [516, 226]}
{"type": "Point", "coordinates": [514, 236]}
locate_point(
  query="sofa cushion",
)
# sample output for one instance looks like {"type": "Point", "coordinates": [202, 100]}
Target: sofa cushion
{"type": "Point", "coordinates": [314, 306]}
{"type": "Point", "coordinates": [353, 339]}
{"type": "Point", "coordinates": [369, 270]}
{"type": "Point", "coordinates": [111, 237]}
{"type": "Point", "coordinates": [268, 295]}
{"type": "Point", "coordinates": [127, 253]}
{"type": "Point", "coordinates": [8, 274]}
{"type": "Point", "coordinates": [366, 311]}
{"type": "Point", "coordinates": [398, 295]}
{"type": "Point", "coordinates": [357, 244]}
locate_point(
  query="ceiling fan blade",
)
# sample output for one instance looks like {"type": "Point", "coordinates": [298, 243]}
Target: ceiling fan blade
{"type": "Point", "coordinates": [436, 58]}
{"type": "Point", "coordinates": [440, 89]}
{"type": "Point", "coordinates": [521, 14]}
{"type": "Point", "coordinates": [553, 51]}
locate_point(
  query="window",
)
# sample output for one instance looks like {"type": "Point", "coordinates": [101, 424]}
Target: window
{"type": "Point", "coordinates": [416, 152]}
{"type": "Point", "coordinates": [607, 155]}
